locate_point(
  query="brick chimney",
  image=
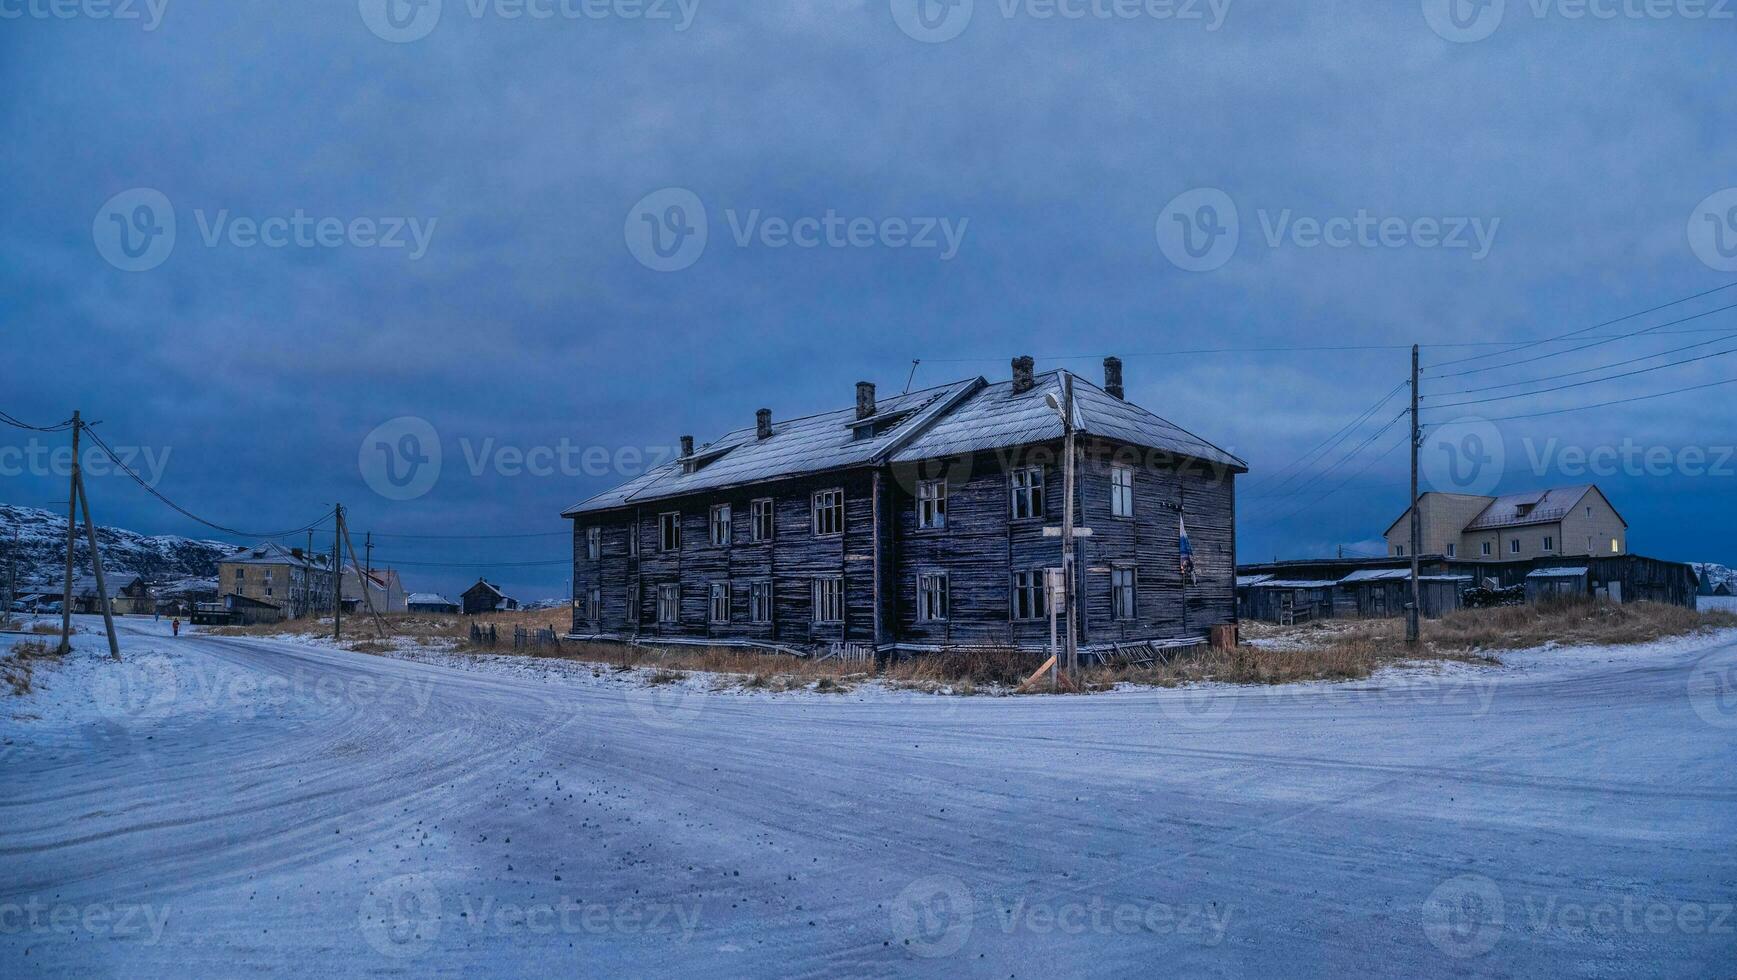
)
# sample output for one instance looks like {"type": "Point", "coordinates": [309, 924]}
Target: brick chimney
{"type": "Point", "coordinates": [763, 423]}
{"type": "Point", "coordinates": [687, 446]}
{"type": "Point", "coordinates": [865, 400]}
{"type": "Point", "coordinates": [1023, 380]}
{"type": "Point", "coordinates": [1113, 376]}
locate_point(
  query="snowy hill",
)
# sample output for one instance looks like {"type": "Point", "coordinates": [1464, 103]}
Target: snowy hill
{"type": "Point", "coordinates": [1714, 574]}
{"type": "Point", "coordinates": [37, 540]}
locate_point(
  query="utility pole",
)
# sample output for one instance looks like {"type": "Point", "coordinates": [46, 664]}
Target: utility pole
{"type": "Point", "coordinates": [337, 574]}
{"type": "Point", "coordinates": [368, 553]}
{"type": "Point", "coordinates": [71, 529]}
{"type": "Point", "coordinates": [367, 597]}
{"type": "Point", "coordinates": [1413, 629]}
{"type": "Point", "coordinates": [1073, 649]}
{"type": "Point", "coordinates": [96, 564]}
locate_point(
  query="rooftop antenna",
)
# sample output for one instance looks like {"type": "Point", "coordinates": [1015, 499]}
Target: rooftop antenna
{"type": "Point", "coordinates": [913, 375]}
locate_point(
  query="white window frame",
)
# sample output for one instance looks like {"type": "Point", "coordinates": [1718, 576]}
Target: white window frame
{"type": "Point", "coordinates": [669, 531]}
{"type": "Point", "coordinates": [720, 525]}
{"type": "Point", "coordinates": [761, 525]}
{"type": "Point", "coordinates": [718, 603]}
{"type": "Point", "coordinates": [760, 601]}
{"type": "Point", "coordinates": [1488, 550]}
{"type": "Point", "coordinates": [1513, 546]}
{"type": "Point", "coordinates": [1399, 551]}
{"type": "Point", "coordinates": [829, 599]}
{"type": "Point", "coordinates": [1453, 550]}
{"type": "Point", "coordinates": [1124, 595]}
{"type": "Point", "coordinates": [1029, 595]}
{"type": "Point", "coordinates": [1549, 542]}
{"type": "Point", "coordinates": [1026, 493]}
{"type": "Point", "coordinates": [828, 515]}
{"type": "Point", "coordinates": [934, 597]}
{"type": "Point", "coordinates": [669, 603]}
{"type": "Point", "coordinates": [932, 505]}
{"type": "Point", "coordinates": [1121, 490]}
{"type": "Point", "coordinates": [1616, 546]}
{"type": "Point", "coordinates": [593, 543]}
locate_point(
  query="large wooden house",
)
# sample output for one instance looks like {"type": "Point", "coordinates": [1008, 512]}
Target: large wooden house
{"type": "Point", "coordinates": [918, 523]}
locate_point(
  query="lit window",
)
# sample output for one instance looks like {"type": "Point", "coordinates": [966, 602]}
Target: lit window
{"type": "Point", "coordinates": [829, 512]}
{"type": "Point", "coordinates": [720, 605]}
{"type": "Point", "coordinates": [669, 531]}
{"type": "Point", "coordinates": [593, 543]}
{"type": "Point", "coordinates": [932, 504]}
{"type": "Point", "coordinates": [760, 602]}
{"type": "Point", "coordinates": [1029, 601]}
{"type": "Point", "coordinates": [1122, 593]}
{"type": "Point", "coordinates": [1121, 491]}
{"type": "Point", "coordinates": [1615, 546]}
{"type": "Point", "coordinates": [1027, 488]}
{"type": "Point", "coordinates": [760, 520]}
{"type": "Point", "coordinates": [829, 600]}
{"type": "Point", "coordinates": [932, 597]}
{"type": "Point", "coordinates": [721, 525]}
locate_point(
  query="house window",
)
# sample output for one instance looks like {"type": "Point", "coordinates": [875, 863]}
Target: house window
{"type": "Point", "coordinates": [1399, 550]}
{"type": "Point", "coordinates": [720, 606]}
{"type": "Point", "coordinates": [669, 601]}
{"type": "Point", "coordinates": [633, 603]}
{"type": "Point", "coordinates": [1514, 546]}
{"type": "Point", "coordinates": [1549, 543]}
{"type": "Point", "coordinates": [593, 543]}
{"type": "Point", "coordinates": [594, 605]}
{"type": "Point", "coordinates": [829, 512]}
{"type": "Point", "coordinates": [1121, 491]}
{"type": "Point", "coordinates": [1028, 595]}
{"type": "Point", "coordinates": [1122, 593]}
{"type": "Point", "coordinates": [1027, 487]}
{"type": "Point", "coordinates": [633, 539]}
{"type": "Point", "coordinates": [760, 520]}
{"type": "Point", "coordinates": [721, 525]}
{"type": "Point", "coordinates": [829, 600]}
{"type": "Point", "coordinates": [669, 531]}
{"type": "Point", "coordinates": [1615, 546]}
{"type": "Point", "coordinates": [1486, 549]}
{"type": "Point", "coordinates": [1453, 549]}
{"type": "Point", "coordinates": [932, 597]}
{"type": "Point", "coordinates": [932, 504]}
{"type": "Point", "coordinates": [760, 602]}
{"type": "Point", "coordinates": [1589, 512]}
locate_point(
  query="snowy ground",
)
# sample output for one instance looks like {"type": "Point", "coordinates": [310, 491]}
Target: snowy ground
{"type": "Point", "coordinates": [227, 806]}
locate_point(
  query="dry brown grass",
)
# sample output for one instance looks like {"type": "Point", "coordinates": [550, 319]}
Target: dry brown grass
{"type": "Point", "coordinates": [17, 669]}
{"type": "Point", "coordinates": [45, 629]}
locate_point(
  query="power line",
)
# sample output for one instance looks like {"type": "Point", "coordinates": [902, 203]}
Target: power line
{"type": "Point", "coordinates": [1603, 367]}
{"type": "Point", "coordinates": [16, 423]}
{"type": "Point", "coordinates": [153, 491]}
{"type": "Point", "coordinates": [1619, 401]}
{"type": "Point", "coordinates": [1335, 438]}
{"type": "Point", "coordinates": [1582, 384]}
{"type": "Point", "coordinates": [389, 562]}
{"type": "Point", "coordinates": [1576, 350]}
{"type": "Point", "coordinates": [1336, 466]}
{"type": "Point", "coordinates": [1596, 326]}
{"type": "Point", "coordinates": [472, 537]}
{"type": "Point", "coordinates": [1275, 518]}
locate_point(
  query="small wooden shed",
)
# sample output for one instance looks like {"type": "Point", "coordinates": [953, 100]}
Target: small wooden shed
{"type": "Point", "coordinates": [1567, 580]}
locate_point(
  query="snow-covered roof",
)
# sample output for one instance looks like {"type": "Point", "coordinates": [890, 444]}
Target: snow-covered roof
{"type": "Point", "coordinates": [1244, 581]}
{"type": "Point", "coordinates": [1556, 573]}
{"type": "Point", "coordinates": [428, 599]}
{"type": "Point", "coordinates": [960, 417]}
{"type": "Point", "coordinates": [1376, 575]}
{"type": "Point", "coordinates": [1533, 507]}
{"type": "Point", "coordinates": [1297, 583]}
{"type": "Point", "coordinates": [268, 553]}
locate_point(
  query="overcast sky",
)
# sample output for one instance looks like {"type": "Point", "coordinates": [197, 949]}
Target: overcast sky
{"type": "Point", "coordinates": [583, 232]}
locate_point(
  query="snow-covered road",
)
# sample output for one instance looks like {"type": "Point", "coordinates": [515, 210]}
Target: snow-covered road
{"type": "Point", "coordinates": [220, 807]}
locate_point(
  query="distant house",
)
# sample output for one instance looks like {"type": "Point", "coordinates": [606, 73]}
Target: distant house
{"type": "Point", "coordinates": [486, 597]}
{"type": "Point", "coordinates": [385, 590]}
{"type": "Point", "coordinates": [1723, 589]}
{"type": "Point", "coordinates": [430, 602]}
{"type": "Point", "coordinates": [129, 594]}
{"type": "Point", "coordinates": [1566, 521]}
{"type": "Point", "coordinates": [294, 583]}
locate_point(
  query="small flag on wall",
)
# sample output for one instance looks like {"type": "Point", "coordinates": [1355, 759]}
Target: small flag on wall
{"type": "Point", "coordinates": [1186, 551]}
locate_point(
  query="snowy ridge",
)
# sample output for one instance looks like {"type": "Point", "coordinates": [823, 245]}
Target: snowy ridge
{"type": "Point", "coordinates": [36, 539]}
